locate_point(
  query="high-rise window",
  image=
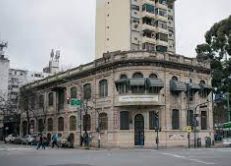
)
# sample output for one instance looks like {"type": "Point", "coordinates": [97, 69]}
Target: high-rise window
{"type": "Point", "coordinates": [175, 119]}
{"type": "Point", "coordinates": [148, 8]}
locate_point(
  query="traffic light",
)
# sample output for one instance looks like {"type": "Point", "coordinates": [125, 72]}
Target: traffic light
{"type": "Point", "coordinates": [156, 121]}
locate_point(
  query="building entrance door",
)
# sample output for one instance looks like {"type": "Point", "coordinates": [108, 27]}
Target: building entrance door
{"type": "Point", "coordinates": [139, 129]}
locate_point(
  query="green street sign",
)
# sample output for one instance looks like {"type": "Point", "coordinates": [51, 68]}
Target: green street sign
{"type": "Point", "coordinates": [75, 102]}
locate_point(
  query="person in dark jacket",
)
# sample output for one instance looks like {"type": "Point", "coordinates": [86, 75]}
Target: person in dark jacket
{"type": "Point", "coordinates": [41, 142]}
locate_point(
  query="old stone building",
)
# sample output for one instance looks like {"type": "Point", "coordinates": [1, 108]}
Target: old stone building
{"type": "Point", "coordinates": [121, 95]}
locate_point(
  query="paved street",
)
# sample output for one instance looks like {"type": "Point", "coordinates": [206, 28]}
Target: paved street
{"type": "Point", "coordinates": [14, 155]}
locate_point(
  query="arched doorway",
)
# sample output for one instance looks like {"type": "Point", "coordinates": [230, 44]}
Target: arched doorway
{"type": "Point", "coordinates": [139, 129]}
{"type": "Point", "coordinates": [72, 140]}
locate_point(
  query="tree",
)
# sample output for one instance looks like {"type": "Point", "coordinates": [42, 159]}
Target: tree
{"type": "Point", "coordinates": [30, 105]}
{"type": "Point", "coordinates": [217, 50]}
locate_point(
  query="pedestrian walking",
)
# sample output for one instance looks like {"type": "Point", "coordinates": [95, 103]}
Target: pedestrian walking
{"type": "Point", "coordinates": [54, 139]}
{"type": "Point", "coordinates": [41, 142]}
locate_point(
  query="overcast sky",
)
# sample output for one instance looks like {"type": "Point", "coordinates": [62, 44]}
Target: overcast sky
{"type": "Point", "coordinates": [33, 27]}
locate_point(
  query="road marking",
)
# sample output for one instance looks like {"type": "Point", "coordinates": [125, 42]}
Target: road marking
{"type": "Point", "coordinates": [185, 158]}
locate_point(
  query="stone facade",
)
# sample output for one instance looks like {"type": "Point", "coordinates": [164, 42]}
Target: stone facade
{"type": "Point", "coordinates": [121, 108]}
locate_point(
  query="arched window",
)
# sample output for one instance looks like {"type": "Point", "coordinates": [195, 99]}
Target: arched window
{"type": "Point", "coordinates": [124, 120]}
{"type": "Point", "coordinates": [41, 101]}
{"type": "Point", "coordinates": [50, 99]}
{"type": "Point", "coordinates": [87, 91]}
{"type": "Point", "coordinates": [72, 123]}
{"type": "Point", "coordinates": [103, 88]}
{"type": "Point", "coordinates": [87, 122]}
{"type": "Point", "coordinates": [73, 92]}
{"type": "Point", "coordinates": [40, 125]}
{"type": "Point", "coordinates": [122, 84]}
{"type": "Point", "coordinates": [24, 128]}
{"type": "Point", "coordinates": [137, 83]}
{"type": "Point", "coordinates": [137, 75]}
{"type": "Point", "coordinates": [50, 124]}
{"type": "Point", "coordinates": [153, 76]}
{"type": "Point", "coordinates": [61, 124]}
{"type": "Point", "coordinates": [103, 121]}
{"type": "Point", "coordinates": [205, 89]}
{"type": "Point", "coordinates": [174, 78]}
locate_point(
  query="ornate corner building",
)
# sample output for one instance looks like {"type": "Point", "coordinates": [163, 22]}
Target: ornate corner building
{"type": "Point", "coordinates": [120, 94]}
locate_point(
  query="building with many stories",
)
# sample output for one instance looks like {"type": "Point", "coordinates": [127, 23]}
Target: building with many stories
{"type": "Point", "coordinates": [121, 93]}
{"type": "Point", "coordinates": [134, 25]}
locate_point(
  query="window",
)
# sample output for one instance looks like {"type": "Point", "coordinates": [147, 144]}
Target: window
{"type": "Point", "coordinates": [175, 120]}
{"type": "Point", "coordinates": [203, 120]}
{"type": "Point", "coordinates": [124, 120]}
{"type": "Point", "coordinates": [149, 46]}
{"type": "Point", "coordinates": [162, 37]}
{"type": "Point", "coordinates": [61, 98]}
{"type": "Point", "coordinates": [72, 123]}
{"type": "Point", "coordinates": [41, 101]}
{"type": "Point", "coordinates": [40, 125]}
{"type": "Point", "coordinates": [160, 48]}
{"type": "Point", "coordinates": [103, 121]}
{"type": "Point", "coordinates": [174, 78]}
{"type": "Point", "coordinates": [153, 120]}
{"type": "Point", "coordinates": [161, 12]}
{"type": "Point", "coordinates": [162, 24]}
{"type": "Point", "coordinates": [103, 88]}
{"type": "Point", "coordinates": [123, 84]}
{"type": "Point", "coordinates": [50, 99]}
{"type": "Point", "coordinates": [148, 8]}
{"type": "Point", "coordinates": [135, 7]}
{"type": "Point", "coordinates": [87, 122]}
{"type": "Point", "coordinates": [50, 124]}
{"type": "Point", "coordinates": [87, 91]}
{"type": "Point", "coordinates": [61, 124]}
{"type": "Point", "coordinates": [189, 117]}
{"type": "Point", "coordinates": [139, 86]}
{"type": "Point", "coordinates": [153, 76]}
{"type": "Point", "coordinates": [73, 92]}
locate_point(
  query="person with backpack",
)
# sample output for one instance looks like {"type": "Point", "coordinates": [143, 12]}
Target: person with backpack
{"type": "Point", "coordinates": [54, 139]}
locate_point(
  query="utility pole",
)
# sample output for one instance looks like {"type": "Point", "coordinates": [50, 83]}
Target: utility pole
{"type": "Point", "coordinates": [156, 116]}
{"type": "Point", "coordinates": [228, 106]}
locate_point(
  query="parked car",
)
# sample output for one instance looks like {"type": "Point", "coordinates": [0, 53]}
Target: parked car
{"type": "Point", "coordinates": [27, 139]}
{"type": "Point", "coordinates": [18, 140]}
{"type": "Point", "coordinates": [10, 138]}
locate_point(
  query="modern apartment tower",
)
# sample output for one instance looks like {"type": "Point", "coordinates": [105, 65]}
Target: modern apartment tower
{"type": "Point", "coordinates": [134, 25]}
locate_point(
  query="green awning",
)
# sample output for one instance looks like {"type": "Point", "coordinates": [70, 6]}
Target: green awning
{"type": "Point", "coordinates": [137, 82]}
{"type": "Point", "coordinates": [193, 87]}
{"type": "Point", "coordinates": [154, 83]}
{"type": "Point", "coordinates": [177, 86]}
{"type": "Point", "coordinates": [122, 81]}
{"type": "Point", "coordinates": [206, 87]}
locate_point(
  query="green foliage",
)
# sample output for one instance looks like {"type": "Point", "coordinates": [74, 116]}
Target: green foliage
{"type": "Point", "coordinates": [217, 50]}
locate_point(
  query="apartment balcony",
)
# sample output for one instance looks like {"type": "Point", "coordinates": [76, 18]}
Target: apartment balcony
{"type": "Point", "coordinates": [148, 14]}
{"type": "Point", "coordinates": [148, 40]}
{"type": "Point", "coordinates": [162, 30]}
{"type": "Point", "coordinates": [148, 27]}
{"type": "Point", "coordinates": [162, 6]}
{"type": "Point", "coordinates": [151, 2]}
{"type": "Point", "coordinates": [162, 18]}
{"type": "Point", "coordinates": [162, 43]}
